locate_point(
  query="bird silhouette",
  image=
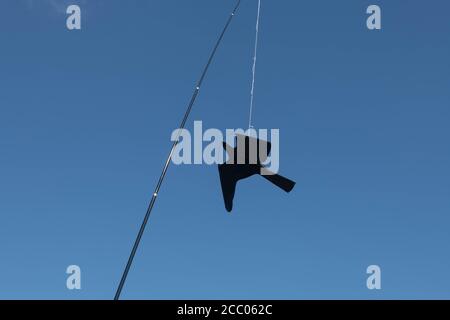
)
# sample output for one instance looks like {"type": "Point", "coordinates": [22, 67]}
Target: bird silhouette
{"type": "Point", "coordinates": [244, 161]}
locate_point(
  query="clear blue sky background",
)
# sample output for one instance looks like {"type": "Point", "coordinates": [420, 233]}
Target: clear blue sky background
{"type": "Point", "coordinates": [85, 121]}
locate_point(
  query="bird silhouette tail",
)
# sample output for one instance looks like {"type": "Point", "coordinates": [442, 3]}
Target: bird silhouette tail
{"type": "Point", "coordinates": [281, 182]}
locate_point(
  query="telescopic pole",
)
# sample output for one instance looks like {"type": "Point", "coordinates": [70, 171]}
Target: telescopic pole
{"type": "Point", "coordinates": [167, 163]}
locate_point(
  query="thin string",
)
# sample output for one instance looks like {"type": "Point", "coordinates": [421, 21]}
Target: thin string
{"type": "Point", "coordinates": [252, 92]}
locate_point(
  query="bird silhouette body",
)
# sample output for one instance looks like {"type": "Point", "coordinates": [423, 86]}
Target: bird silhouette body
{"type": "Point", "coordinates": [246, 160]}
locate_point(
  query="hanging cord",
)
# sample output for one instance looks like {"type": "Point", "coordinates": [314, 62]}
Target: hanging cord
{"type": "Point", "coordinates": [254, 68]}
{"type": "Point", "coordinates": [167, 163]}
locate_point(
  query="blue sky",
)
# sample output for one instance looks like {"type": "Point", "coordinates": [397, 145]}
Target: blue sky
{"type": "Point", "coordinates": [85, 123]}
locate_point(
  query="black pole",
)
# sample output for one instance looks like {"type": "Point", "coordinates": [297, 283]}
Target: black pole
{"type": "Point", "coordinates": [166, 165]}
